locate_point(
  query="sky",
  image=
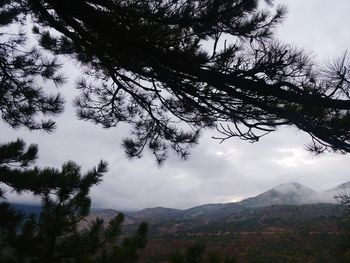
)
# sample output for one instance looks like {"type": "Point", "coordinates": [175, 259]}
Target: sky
{"type": "Point", "coordinates": [214, 173]}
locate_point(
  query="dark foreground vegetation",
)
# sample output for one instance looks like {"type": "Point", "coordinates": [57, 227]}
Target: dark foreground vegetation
{"type": "Point", "coordinates": [273, 234]}
{"type": "Point", "coordinates": [280, 233]}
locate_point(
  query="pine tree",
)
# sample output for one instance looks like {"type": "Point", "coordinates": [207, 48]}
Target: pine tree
{"type": "Point", "coordinates": [53, 236]}
{"type": "Point", "coordinates": [344, 226]}
{"type": "Point", "coordinates": [23, 103]}
{"type": "Point", "coordinates": [146, 66]}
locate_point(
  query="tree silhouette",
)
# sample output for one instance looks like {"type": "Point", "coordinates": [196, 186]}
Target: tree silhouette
{"type": "Point", "coordinates": [23, 102]}
{"type": "Point", "coordinates": [54, 236]}
{"type": "Point", "coordinates": [172, 68]}
{"type": "Point", "coordinates": [343, 200]}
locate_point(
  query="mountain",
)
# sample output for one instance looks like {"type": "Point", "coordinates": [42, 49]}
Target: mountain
{"type": "Point", "coordinates": [155, 215]}
{"type": "Point", "coordinates": [278, 233]}
{"type": "Point", "coordinates": [341, 188]}
{"type": "Point", "coordinates": [284, 194]}
{"type": "Point", "coordinates": [202, 213]}
{"type": "Point", "coordinates": [168, 220]}
{"type": "Point", "coordinates": [211, 212]}
{"type": "Point", "coordinates": [105, 214]}
{"type": "Point", "coordinates": [329, 195]}
{"type": "Point", "coordinates": [279, 222]}
{"type": "Point", "coordinates": [276, 216]}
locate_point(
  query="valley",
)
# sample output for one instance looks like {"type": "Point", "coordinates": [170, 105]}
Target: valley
{"type": "Point", "coordinates": [288, 223]}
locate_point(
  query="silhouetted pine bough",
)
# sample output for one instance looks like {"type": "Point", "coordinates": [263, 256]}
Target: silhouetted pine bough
{"type": "Point", "coordinates": [55, 235]}
{"type": "Point", "coordinates": [173, 68]}
{"type": "Point", "coordinates": [22, 99]}
{"type": "Point", "coordinates": [23, 102]}
{"type": "Point", "coordinates": [162, 66]}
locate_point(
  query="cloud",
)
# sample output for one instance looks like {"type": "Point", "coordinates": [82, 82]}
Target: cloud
{"type": "Point", "coordinates": [293, 157]}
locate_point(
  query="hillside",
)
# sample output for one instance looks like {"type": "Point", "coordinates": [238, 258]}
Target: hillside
{"type": "Point", "coordinates": [286, 206]}
{"type": "Point", "coordinates": [284, 194]}
{"type": "Point", "coordinates": [340, 189]}
{"type": "Point", "coordinates": [278, 233]}
{"type": "Point", "coordinates": [266, 228]}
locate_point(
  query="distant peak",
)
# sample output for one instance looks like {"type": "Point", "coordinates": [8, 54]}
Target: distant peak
{"type": "Point", "coordinates": [344, 185]}
{"type": "Point", "coordinates": [292, 186]}
{"type": "Point", "coordinates": [341, 187]}
{"type": "Point", "coordinates": [291, 183]}
{"type": "Point", "coordinates": [288, 193]}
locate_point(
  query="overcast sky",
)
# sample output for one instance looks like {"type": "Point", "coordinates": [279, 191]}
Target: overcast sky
{"type": "Point", "coordinates": [215, 172]}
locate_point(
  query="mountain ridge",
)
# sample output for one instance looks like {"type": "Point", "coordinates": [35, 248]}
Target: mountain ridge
{"type": "Point", "coordinates": [294, 194]}
{"type": "Point", "coordinates": [313, 197]}
{"type": "Point", "coordinates": [284, 194]}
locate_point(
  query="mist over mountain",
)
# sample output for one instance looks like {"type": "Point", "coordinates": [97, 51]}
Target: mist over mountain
{"type": "Point", "coordinates": [285, 194]}
{"type": "Point", "coordinates": [288, 194]}
{"type": "Point", "coordinates": [329, 195]}
{"type": "Point", "coordinates": [295, 194]}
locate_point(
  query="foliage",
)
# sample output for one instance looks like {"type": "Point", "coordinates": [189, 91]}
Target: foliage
{"type": "Point", "coordinates": [195, 254]}
{"type": "Point", "coordinates": [22, 100]}
{"type": "Point", "coordinates": [55, 235]}
{"type": "Point", "coordinates": [23, 103]}
{"type": "Point", "coordinates": [172, 68]}
{"type": "Point", "coordinates": [18, 173]}
{"type": "Point", "coordinates": [344, 246]}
